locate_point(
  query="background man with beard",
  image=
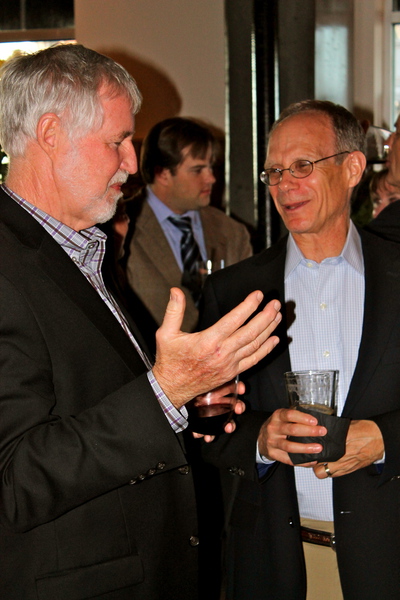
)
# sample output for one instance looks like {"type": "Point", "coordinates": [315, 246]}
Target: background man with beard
{"type": "Point", "coordinates": [96, 494]}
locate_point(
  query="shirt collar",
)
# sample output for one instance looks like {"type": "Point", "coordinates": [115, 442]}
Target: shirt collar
{"type": "Point", "coordinates": [162, 211]}
{"type": "Point", "coordinates": [63, 234]}
{"type": "Point", "coordinates": [351, 253]}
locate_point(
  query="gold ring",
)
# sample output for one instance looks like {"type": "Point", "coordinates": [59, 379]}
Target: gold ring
{"type": "Point", "coordinates": [327, 471]}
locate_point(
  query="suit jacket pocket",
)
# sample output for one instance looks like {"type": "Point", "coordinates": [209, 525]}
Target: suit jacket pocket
{"type": "Point", "coordinates": [90, 581]}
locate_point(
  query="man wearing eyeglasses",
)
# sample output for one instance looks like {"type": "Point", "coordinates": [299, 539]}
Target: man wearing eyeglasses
{"type": "Point", "coordinates": [340, 290]}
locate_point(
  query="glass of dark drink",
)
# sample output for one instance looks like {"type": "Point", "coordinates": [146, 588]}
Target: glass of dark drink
{"type": "Point", "coordinates": [210, 412]}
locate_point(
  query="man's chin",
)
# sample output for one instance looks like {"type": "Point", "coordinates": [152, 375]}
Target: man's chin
{"type": "Point", "coordinates": [106, 212]}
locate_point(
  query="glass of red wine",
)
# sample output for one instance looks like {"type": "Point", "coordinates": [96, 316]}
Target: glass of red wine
{"type": "Point", "coordinates": [210, 412]}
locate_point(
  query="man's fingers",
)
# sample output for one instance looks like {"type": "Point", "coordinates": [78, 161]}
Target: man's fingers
{"type": "Point", "coordinates": [254, 340]}
{"type": "Point", "coordinates": [174, 312]}
{"type": "Point", "coordinates": [228, 324]}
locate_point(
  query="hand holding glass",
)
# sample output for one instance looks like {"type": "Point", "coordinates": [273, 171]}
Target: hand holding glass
{"type": "Point", "coordinates": [210, 412]}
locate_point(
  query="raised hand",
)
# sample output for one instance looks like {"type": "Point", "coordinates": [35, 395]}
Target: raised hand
{"type": "Point", "coordinates": [189, 364]}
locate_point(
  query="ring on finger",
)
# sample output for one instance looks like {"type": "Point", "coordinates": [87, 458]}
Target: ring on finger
{"type": "Point", "coordinates": [327, 471]}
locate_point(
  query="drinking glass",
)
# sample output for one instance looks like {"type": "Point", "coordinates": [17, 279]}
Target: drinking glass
{"type": "Point", "coordinates": [210, 412]}
{"type": "Point", "coordinates": [313, 390]}
{"type": "Point", "coordinates": [206, 267]}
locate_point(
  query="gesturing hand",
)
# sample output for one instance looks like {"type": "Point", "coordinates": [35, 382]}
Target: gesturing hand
{"type": "Point", "coordinates": [189, 364]}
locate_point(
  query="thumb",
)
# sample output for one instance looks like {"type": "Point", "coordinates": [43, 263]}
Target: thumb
{"type": "Point", "coordinates": [174, 312]}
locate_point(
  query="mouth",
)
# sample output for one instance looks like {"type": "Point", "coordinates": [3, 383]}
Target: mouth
{"type": "Point", "coordinates": [294, 206]}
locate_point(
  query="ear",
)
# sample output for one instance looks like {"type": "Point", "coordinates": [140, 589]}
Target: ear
{"type": "Point", "coordinates": [357, 163]}
{"type": "Point", "coordinates": [163, 177]}
{"type": "Point", "coordinates": [48, 132]}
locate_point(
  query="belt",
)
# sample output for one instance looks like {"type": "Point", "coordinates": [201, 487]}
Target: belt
{"type": "Point", "coordinates": [315, 536]}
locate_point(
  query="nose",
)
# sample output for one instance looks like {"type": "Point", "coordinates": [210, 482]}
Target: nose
{"type": "Point", "coordinates": [128, 157]}
{"type": "Point", "coordinates": [389, 141]}
{"type": "Point", "coordinates": [209, 176]}
{"type": "Point", "coordinates": [288, 182]}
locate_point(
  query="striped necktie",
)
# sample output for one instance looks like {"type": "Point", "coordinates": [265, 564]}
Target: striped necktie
{"type": "Point", "coordinates": [190, 255]}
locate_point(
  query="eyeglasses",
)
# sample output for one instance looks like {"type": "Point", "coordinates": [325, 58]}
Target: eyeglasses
{"type": "Point", "coordinates": [298, 168]}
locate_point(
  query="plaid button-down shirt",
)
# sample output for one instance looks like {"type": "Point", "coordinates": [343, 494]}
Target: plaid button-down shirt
{"type": "Point", "coordinates": [86, 249]}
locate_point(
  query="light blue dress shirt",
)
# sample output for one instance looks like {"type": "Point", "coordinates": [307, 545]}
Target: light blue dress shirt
{"type": "Point", "coordinates": [172, 233]}
{"type": "Point", "coordinates": [326, 334]}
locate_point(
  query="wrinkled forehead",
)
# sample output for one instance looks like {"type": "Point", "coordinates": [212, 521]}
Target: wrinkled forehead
{"type": "Point", "coordinates": [302, 131]}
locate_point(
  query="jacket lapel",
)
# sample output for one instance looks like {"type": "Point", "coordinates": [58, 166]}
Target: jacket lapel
{"type": "Point", "coordinates": [214, 238]}
{"type": "Point", "coordinates": [60, 269]}
{"type": "Point", "coordinates": [381, 310]}
{"type": "Point", "coordinates": [158, 252]}
{"type": "Point", "coordinates": [270, 280]}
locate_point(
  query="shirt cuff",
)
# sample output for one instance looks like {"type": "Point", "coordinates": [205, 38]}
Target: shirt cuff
{"type": "Point", "coordinates": [176, 418]}
{"type": "Point", "coordinates": [263, 463]}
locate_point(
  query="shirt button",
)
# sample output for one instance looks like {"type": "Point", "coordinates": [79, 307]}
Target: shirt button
{"type": "Point", "coordinates": [323, 306]}
{"type": "Point", "coordinates": [326, 353]}
{"type": "Point", "coordinates": [309, 264]}
{"type": "Point", "coordinates": [194, 540]}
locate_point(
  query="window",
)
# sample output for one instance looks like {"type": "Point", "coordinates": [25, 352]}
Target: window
{"type": "Point", "coordinates": [394, 60]}
{"type": "Point", "coordinates": [31, 25]}
{"type": "Point", "coordinates": [36, 14]}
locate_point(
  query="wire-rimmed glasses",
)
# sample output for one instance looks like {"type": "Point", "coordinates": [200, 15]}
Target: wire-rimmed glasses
{"type": "Point", "coordinates": [299, 169]}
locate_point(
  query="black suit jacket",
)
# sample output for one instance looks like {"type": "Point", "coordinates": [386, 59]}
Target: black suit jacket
{"type": "Point", "coordinates": [97, 499]}
{"type": "Point", "coordinates": [387, 223]}
{"type": "Point", "coordinates": [265, 558]}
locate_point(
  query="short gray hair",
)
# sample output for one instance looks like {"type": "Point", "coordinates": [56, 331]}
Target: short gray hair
{"type": "Point", "coordinates": [64, 79]}
{"type": "Point", "coordinates": [347, 129]}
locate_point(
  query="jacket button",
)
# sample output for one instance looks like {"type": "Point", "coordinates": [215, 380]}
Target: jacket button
{"type": "Point", "coordinates": [291, 522]}
{"type": "Point", "coordinates": [132, 482]}
{"type": "Point", "coordinates": [161, 466]}
{"type": "Point", "coordinates": [141, 477]}
{"type": "Point", "coordinates": [184, 470]}
{"type": "Point", "coordinates": [395, 477]}
{"type": "Point", "coordinates": [194, 540]}
{"type": "Point", "coordinates": [151, 472]}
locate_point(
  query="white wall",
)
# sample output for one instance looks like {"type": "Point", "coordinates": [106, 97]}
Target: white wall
{"type": "Point", "coordinates": [173, 48]}
{"type": "Point", "coordinates": [371, 67]}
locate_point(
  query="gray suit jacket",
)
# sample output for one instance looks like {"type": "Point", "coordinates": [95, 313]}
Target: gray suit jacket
{"type": "Point", "coordinates": [152, 269]}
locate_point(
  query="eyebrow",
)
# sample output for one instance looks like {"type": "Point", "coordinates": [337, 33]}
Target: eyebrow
{"type": "Point", "coordinates": [124, 134]}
